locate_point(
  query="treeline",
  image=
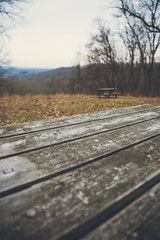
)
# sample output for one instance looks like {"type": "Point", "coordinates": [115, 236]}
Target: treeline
{"type": "Point", "coordinates": [129, 53]}
{"type": "Point", "coordinates": [126, 78]}
{"type": "Point", "coordinates": [50, 82]}
{"type": "Point", "coordinates": [125, 58]}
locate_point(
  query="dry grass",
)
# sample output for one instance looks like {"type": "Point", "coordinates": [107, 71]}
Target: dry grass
{"type": "Point", "coordinates": [15, 108]}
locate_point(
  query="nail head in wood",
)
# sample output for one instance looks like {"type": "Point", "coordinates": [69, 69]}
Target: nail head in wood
{"type": "Point", "coordinates": [8, 171]}
{"type": "Point", "coordinates": [31, 213]}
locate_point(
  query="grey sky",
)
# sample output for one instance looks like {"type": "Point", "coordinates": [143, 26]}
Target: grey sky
{"type": "Point", "coordinates": [52, 33]}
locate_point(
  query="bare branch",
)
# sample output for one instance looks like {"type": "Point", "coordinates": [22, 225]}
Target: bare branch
{"type": "Point", "coordinates": [9, 11]}
{"type": "Point", "coordinates": [146, 9]}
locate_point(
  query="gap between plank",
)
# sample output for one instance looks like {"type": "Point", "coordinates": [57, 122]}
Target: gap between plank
{"type": "Point", "coordinates": [48, 177]}
{"type": "Point", "coordinates": [73, 139]}
{"type": "Point", "coordinates": [112, 210]}
{"type": "Point", "coordinates": [74, 124]}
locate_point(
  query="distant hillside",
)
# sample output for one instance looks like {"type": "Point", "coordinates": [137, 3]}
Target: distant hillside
{"type": "Point", "coordinates": [9, 71]}
{"type": "Point", "coordinates": [47, 81]}
{"type": "Point", "coordinates": [63, 73]}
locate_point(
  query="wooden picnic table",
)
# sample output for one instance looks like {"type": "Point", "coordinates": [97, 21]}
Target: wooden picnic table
{"type": "Point", "coordinates": [107, 92]}
{"type": "Point", "coordinates": [89, 176]}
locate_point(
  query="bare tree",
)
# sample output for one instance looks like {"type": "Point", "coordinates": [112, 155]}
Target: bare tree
{"type": "Point", "coordinates": [146, 11]}
{"type": "Point", "coordinates": [143, 19]}
{"type": "Point", "coordinates": [9, 11]}
{"type": "Point", "coordinates": [101, 47]}
{"type": "Point", "coordinates": [149, 10]}
{"type": "Point", "coordinates": [104, 49]}
{"type": "Point", "coordinates": [101, 50]}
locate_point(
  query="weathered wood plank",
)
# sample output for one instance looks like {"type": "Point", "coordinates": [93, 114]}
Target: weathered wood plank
{"type": "Point", "coordinates": [54, 160]}
{"type": "Point", "coordinates": [66, 204]}
{"type": "Point", "coordinates": [27, 127]}
{"type": "Point", "coordinates": [140, 220]}
{"type": "Point", "coordinates": [50, 137]}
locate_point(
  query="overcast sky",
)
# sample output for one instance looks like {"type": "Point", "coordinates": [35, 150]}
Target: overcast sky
{"type": "Point", "coordinates": [52, 33]}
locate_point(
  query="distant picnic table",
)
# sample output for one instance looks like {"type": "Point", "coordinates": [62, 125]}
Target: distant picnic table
{"type": "Point", "coordinates": [107, 92]}
{"type": "Point", "coordinates": [93, 176]}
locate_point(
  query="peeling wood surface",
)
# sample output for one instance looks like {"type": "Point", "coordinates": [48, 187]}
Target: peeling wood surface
{"type": "Point", "coordinates": [53, 160]}
{"type": "Point", "coordinates": [14, 145]}
{"type": "Point", "coordinates": [23, 128]}
{"type": "Point", "coordinates": [130, 224]}
{"type": "Point", "coordinates": [83, 181]}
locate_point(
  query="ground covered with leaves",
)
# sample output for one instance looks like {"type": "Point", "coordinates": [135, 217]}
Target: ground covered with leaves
{"type": "Point", "coordinates": [16, 109]}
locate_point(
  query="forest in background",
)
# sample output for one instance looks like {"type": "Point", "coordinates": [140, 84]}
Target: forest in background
{"type": "Point", "coordinates": [86, 80]}
{"type": "Point", "coordinates": [125, 58]}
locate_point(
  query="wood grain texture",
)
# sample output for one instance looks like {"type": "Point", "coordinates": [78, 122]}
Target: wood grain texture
{"type": "Point", "coordinates": [67, 202]}
{"type": "Point", "coordinates": [45, 138]}
{"type": "Point", "coordinates": [27, 127]}
{"type": "Point", "coordinates": [140, 220]}
{"type": "Point", "coordinates": [90, 176]}
{"type": "Point", "coordinates": [56, 159]}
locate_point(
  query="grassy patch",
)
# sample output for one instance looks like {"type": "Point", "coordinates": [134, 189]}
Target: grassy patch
{"type": "Point", "coordinates": [16, 109]}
